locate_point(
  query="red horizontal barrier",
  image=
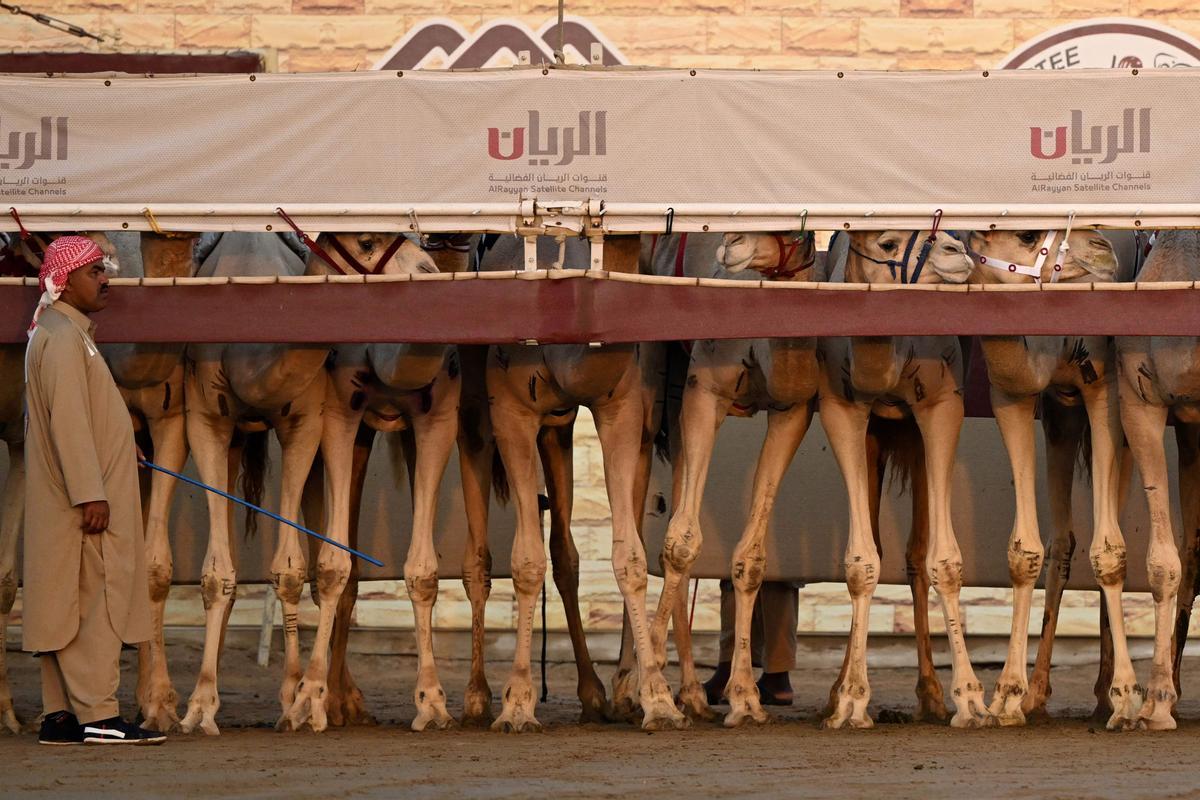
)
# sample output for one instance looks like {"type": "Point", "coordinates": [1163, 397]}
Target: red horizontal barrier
{"type": "Point", "coordinates": [573, 307]}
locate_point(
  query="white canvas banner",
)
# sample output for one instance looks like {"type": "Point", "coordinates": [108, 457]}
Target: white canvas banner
{"type": "Point", "coordinates": [338, 142]}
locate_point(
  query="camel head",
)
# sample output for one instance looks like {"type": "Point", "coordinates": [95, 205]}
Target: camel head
{"type": "Point", "coordinates": [169, 255]}
{"type": "Point", "coordinates": [369, 249]}
{"type": "Point", "coordinates": [1090, 256]}
{"type": "Point", "coordinates": [889, 256]}
{"type": "Point", "coordinates": [778, 256]}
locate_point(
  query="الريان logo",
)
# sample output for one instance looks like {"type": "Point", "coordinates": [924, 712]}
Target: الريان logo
{"type": "Point", "coordinates": [587, 137]}
{"type": "Point", "coordinates": [1132, 135]}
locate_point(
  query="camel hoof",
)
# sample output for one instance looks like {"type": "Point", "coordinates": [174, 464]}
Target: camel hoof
{"type": "Point", "coordinates": [517, 722]}
{"type": "Point", "coordinates": [693, 700]}
{"type": "Point", "coordinates": [308, 707]}
{"type": "Point", "coordinates": [835, 723]}
{"type": "Point", "coordinates": [747, 718]}
{"type": "Point", "coordinates": [434, 720]}
{"type": "Point", "coordinates": [159, 714]}
{"type": "Point", "coordinates": [200, 717]}
{"type": "Point", "coordinates": [973, 720]}
{"type": "Point", "coordinates": [9, 720]}
{"type": "Point", "coordinates": [890, 716]}
{"type": "Point", "coordinates": [666, 723]}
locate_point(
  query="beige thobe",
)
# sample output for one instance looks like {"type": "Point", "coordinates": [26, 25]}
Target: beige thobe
{"type": "Point", "coordinates": [83, 594]}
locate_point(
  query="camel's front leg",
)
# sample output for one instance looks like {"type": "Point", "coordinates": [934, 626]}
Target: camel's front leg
{"type": "Point", "coordinates": [156, 696]}
{"type": "Point", "coordinates": [1014, 416]}
{"type": "Point", "coordinates": [845, 423]}
{"type": "Point", "coordinates": [619, 425]}
{"type": "Point", "coordinates": [210, 433]}
{"type": "Point", "coordinates": [940, 424]}
{"type": "Point", "coordinates": [476, 453]}
{"type": "Point", "coordinates": [11, 512]}
{"type": "Point", "coordinates": [302, 695]}
{"type": "Point", "coordinates": [435, 432]}
{"type": "Point", "coordinates": [785, 430]}
{"type": "Point", "coordinates": [516, 435]}
{"type": "Point", "coordinates": [1144, 426]}
{"type": "Point", "coordinates": [1063, 429]}
{"type": "Point", "coordinates": [703, 412]}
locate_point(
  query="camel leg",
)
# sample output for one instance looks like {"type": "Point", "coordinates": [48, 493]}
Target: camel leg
{"type": "Point", "coordinates": [516, 435]}
{"type": "Point", "coordinates": [11, 512]}
{"type": "Point", "coordinates": [209, 434]}
{"type": "Point", "coordinates": [785, 430]}
{"type": "Point", "coordinates": [1014, 416]}
{"type": "Point", "coordinates": [931, 702]}
{"type": "Point", "coordinates": [702, 414]}
{"type": "Point", "coordinates": [156, 695]}
{"type": "Point", "coordinates": [1063, 428]}
{"type": "Point", "coordinates": [940, 424]}
{"type": "Point", "coordinates": [434, 434]}
{"type": "Point", "coordinates": [476, 451]}
{"type": "Point", "coordinates": [1187, 437]}
{"type": "Point", "coordinates": [845, 423]}
{"type": "Point", "coordinates": [691, 697]}
{"type": "Point", "coordinates": [554, 446]}
{"type": "Point", "coordinates": [876, 469]}
{"type": "Point", "coordinates": [619, 426]}
{"type": "Point", "coordinates": [313, 423]}
{"type": "Point", "coordinates": [345, 704]}
{"type": "Point", "coordinates": [1144, 426]}
{"type": "Point", "coordinates": [1107, 552]}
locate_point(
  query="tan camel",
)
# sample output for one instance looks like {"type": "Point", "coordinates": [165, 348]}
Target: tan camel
{"type": "Point", "coordinates": [536, 387]}
{"type": "Point", "coordinates": [894, 377]}
{"type": "Point", "coordinates": [26, 255]}
{"type": "Point", "coordinates": [1160, 376]}
{"type": "Point", "coordinates": [1076, 370]}
{"type": "Point", "coordinates": [150, 378]}
{"type": "Point", "coordinates": [732, 377]}
{"type": "Point", "coordinates": [413, 391]}
{"type": "Point", "coordinates": [251, 388]}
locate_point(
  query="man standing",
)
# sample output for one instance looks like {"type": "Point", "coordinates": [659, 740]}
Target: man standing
{"type": "Point", "coordinates": [85, 589]}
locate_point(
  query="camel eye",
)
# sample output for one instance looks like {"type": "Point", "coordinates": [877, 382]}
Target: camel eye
{"type": "Point", "coordinates": [367, 243]}
{"type": "Point", "coordinates": [888, 246]}
{"type": "Point", "coordinates": [1027, 237]}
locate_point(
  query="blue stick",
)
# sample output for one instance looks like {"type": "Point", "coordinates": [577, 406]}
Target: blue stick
{"type": "Point", "coordinates": [270, 514]}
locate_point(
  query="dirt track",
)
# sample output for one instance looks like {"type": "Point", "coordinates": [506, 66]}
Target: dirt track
{"type": "Point", "coordinates": [1067, 758]}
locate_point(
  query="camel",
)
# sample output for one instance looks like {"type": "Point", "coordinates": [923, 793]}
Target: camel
{"type": "Point", "coordinates": [250, 388]}
{"type": "Point", "coordinates": [894, 378]}
{"type": "Point", "coordinates": [22, 256]}
{"type": "Point", "coordinates": [150, 378]}
{"type": "Point", "coordinates": [1158, 376]}
{"type": "Point", "coordinates": [412, 391]}
{"type": "Point", "coordinates": [532, 391]}
{"type": "Point", "coordinates": [1073, 370]}
{"type": "Point", "coordinates": [732, 377]}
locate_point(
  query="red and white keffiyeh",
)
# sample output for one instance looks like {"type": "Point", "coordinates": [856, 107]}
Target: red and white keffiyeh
{"type": "Point", "coordinates": [63, 256]}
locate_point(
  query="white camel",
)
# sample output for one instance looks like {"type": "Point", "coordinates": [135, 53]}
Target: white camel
{"type": "Point", "coordinates": [251, 388]}
{"type": "Point", "coordinates": [1160, 376]}
{"type": "Point", "coordinates": [412, 391]}
{"type": "Point", "coordinates": [533, 388]}
{"type": "Point", "coordinates": [1075, 369]}
{"type": "Point", "coordinates": [894, 377]}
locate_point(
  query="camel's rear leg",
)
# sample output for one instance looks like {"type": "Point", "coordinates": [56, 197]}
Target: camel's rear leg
{"type": "Point", "coordinates": [1187, 437]}
{"type": "Point", "coordinates": [554, 447]}
{"type": "Point", "coordinates": [931, 702]}
{"type": "Point", "coordinates": [11, 513]}
{"type": "Point", "coordinates": [476, 457]}
{"type": "Point", "coordinates": [1064, 430]}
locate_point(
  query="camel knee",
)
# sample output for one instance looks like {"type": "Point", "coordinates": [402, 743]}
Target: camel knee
{"type": "Point", "coordinates": [862, 575]}
{"type": "Point", "coordinates": [289, 585]}
{"type": "Point", "coordinates": [631, 576]}
{"type": "Point", "coordinates": [682, 547]}
{"type": "Point", "coordinates": [1108, 564]}
{"type": "Point", "coordinates": [1024, 566]}
{"type": "Point", "coordinates": [158, 575]}
{"type": "Point", "coordinates": [332, 574]}
{"type": "Point", "coordinates": [1164, 571]}
{"type": "Point", "coordinates": [748, 571]}
{"type": "Point", "coordinates": [945, 575]}
{"type": "Point", "coordinates": [422, 583]}
{"type": "Point", "coordinates": [529, 576]}
{"type": "Point", "coordinates": [216, 588]}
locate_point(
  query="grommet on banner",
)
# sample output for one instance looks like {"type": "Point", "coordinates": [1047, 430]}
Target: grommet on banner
{"type": "Point", "coordinates": [670, 221]}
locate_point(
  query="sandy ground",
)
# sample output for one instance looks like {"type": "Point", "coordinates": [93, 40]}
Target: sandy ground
{"type": "Point", "coordinates": [1068, 757]}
